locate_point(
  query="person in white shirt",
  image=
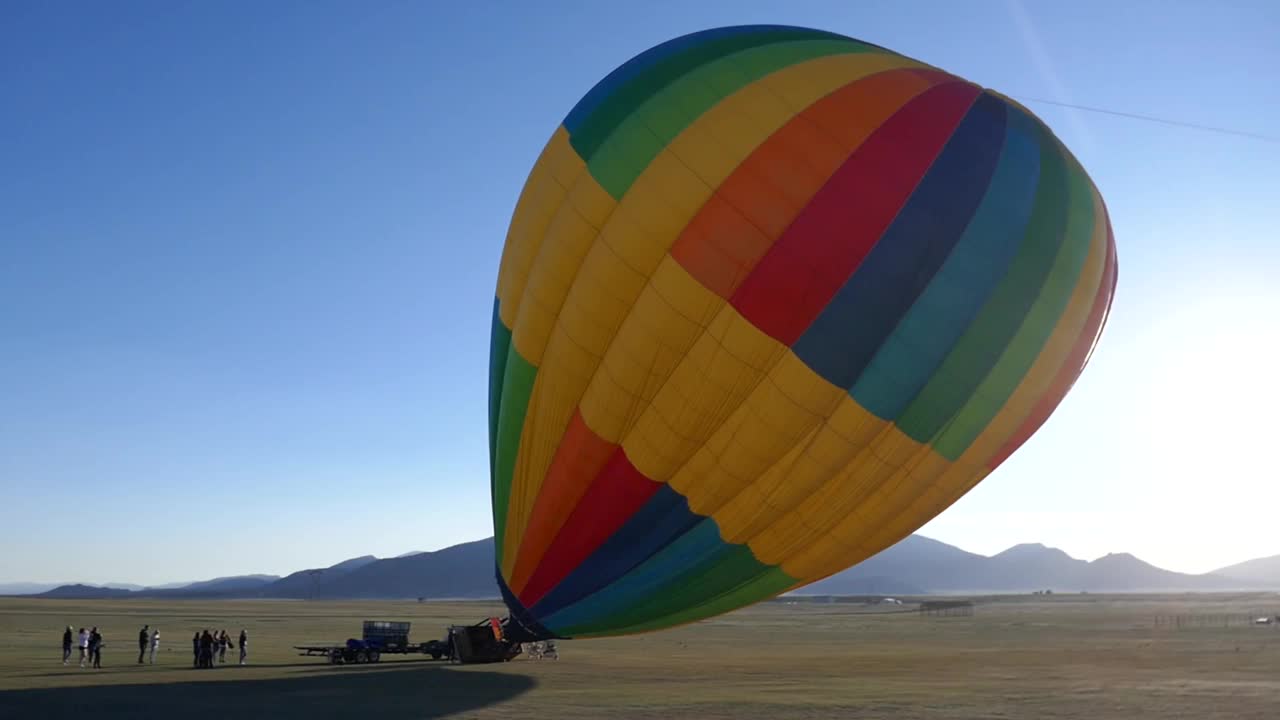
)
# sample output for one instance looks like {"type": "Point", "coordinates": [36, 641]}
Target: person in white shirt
{"type": "Point", "coordinates": [84, 646]}
{"type": "Point", "coordinates": [155, 645]}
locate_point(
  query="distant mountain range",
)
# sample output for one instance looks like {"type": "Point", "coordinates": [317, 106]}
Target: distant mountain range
{"type": "Point", "coordinates": [916, 566]}
{"type": "Point", "coordinates": [460, 572]}
{"type": "Point", "coordinates": [30, 588]}
{"type": "Point", "coordinates": [1265, 571]}
{"type": "Point", "coordinates": [919, 565]}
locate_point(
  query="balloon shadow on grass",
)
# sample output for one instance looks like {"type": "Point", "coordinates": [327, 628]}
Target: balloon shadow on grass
{"type": "Point", "coordinates": [393, 694]}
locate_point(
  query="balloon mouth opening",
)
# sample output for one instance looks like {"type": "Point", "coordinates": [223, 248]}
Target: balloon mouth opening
{"type": "Point", "coordinates": [520, 625]}
{"type": "Point", "coordinates": [514, 631]}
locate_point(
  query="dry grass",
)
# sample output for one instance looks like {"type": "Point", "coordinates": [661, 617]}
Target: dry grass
{"type": "Point", "coordinates": [1061, 657]}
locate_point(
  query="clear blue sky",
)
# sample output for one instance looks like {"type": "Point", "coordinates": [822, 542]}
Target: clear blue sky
{"type": "Point", "coordinates": [248, 253]}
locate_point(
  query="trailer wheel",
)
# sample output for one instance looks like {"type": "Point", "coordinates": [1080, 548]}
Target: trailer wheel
{"type": "Point", "coordinates": [335, 657]}
{"type": "Point", "coordinates": [373, 656]}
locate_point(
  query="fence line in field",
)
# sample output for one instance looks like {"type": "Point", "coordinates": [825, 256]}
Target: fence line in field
{"type": "Point", "coordinates": [1219, 620]}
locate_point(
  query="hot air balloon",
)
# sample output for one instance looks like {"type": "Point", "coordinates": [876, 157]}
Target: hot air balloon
{"type": "Point", "coordinates": [771, 299]}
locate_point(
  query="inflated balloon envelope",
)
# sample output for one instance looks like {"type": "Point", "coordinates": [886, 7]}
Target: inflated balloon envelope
{"type": "Point", "coordinates": [771, 299]}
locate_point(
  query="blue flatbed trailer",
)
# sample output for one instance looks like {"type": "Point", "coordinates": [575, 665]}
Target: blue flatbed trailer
{"type": "Point", "coordinates": [380, 637]}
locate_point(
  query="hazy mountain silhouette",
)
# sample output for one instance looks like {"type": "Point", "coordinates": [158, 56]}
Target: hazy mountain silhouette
{"type": "Point", "coordinates": [839, 584]}
{"type": "Point", "coordinates": [26, 588]}
{"type": "Point", "coordinates": [916, 566]}
{"type": "Point", "coordinates": [912, 567]}
{"type": "Point", "coordinates": [460, 571]}
{"type": "Point", "coordinates": [940, 568]}
{"type": "Point", "coordinates": [32, 588]}
{"type": "Point", "coordinates": [354, 563]}
{"type": "Point", "coordinates": [78, 591]}
{"type": "Point", "coordinates": [224, 584]}
{"type": "Point", "coordinates": [302, 584]}
{"type": "Point", "coordinates": [1264, 571]}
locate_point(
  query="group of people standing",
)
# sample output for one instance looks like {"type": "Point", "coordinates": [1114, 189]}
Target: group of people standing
{"type": "Point", "coordinates": [89, 642]}
{"type": "Point", "coordinates": [206, 646]}
{"type": "Point", "coordinates": [148, 640]}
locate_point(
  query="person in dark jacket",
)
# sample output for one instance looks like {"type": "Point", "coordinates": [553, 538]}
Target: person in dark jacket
{"type": "Point", "coordinates": [206, 649]}
{"type": "Point", "coordinates": [195, 650]}
{"type": "Point", "coordinates": [144, 637]}
{"type": "Point", "coordinates": [95, 647]}
{"type": "Point", "coordinates": [244, 645]}
{"type": "Point", "coordinates": [66, 645]}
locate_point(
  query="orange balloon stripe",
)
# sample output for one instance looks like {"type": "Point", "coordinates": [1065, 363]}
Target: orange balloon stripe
{"type": "Point", "coordinates": [746, 214]}
{"type": "Point", "coordinates": [764, 195]}
{"type": "Point", "coordinates": [581, 456]}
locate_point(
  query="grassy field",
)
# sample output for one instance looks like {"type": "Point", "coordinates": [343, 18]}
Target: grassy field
{"type": "Point", "coordinates": [1017, 657]}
